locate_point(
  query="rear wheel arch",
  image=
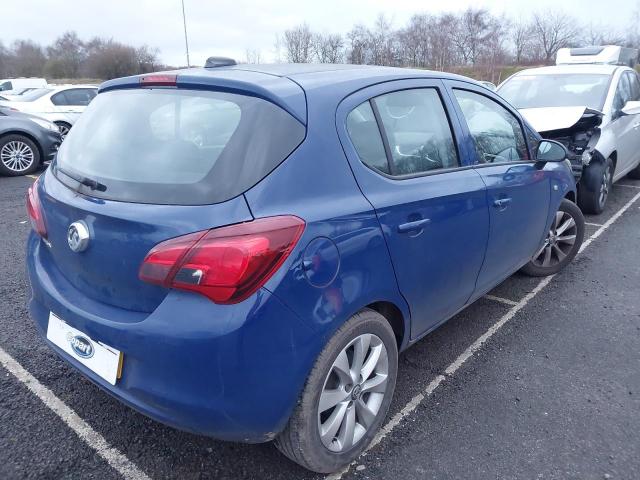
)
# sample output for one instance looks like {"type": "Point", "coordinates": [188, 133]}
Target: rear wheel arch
{"type": "Point", "coordinates": [394, 316]}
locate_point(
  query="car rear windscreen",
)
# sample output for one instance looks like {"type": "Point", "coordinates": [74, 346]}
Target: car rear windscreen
{"type": "Point", "coordinates": [174, 146]}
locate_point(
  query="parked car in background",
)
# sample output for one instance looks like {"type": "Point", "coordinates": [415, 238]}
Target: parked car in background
{"type": "Point", "coordinates": [490, 85]}
{"type": "Point", "coordinates": [241, 252]}
{"type": "Point", "coordinates": [7, 84]}
{"type": "Point", "coordinates": [591, 105]}
{"type": "Point", "coordinates": [26, 142]}
{"type": "Point", "coordinates": [60, 104]}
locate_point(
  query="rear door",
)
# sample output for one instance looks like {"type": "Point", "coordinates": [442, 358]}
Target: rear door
{"type": "Point", "coordinates": [432, 207]}
{"type": "Point", "coordinates": [518, 189]}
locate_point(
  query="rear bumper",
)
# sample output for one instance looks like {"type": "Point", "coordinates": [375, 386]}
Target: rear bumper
{"type": "Point", "coordinates": [232, 372]}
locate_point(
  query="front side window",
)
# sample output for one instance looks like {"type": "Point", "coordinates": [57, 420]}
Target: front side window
{"type": "Point", "coordinates": [496, 132]}
{"type": "Point", "coordinates": [417, 130]}
{"type": "Point", "coordinates": [623, 94]}
{"type": "Point", "coordinates": [635, 86]}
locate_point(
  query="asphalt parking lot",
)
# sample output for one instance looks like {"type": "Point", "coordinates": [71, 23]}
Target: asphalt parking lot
{"type": "Point", "coordinates": [539, 380]}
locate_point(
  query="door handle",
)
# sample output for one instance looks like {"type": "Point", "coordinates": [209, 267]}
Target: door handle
{"type": "Point", "coordinates": [501, 203]}
{"type": "Point", "coordinates": [411, 226]}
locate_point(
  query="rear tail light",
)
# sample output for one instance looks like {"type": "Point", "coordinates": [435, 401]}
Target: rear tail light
{"type": "Point", "coordinates": [34, 209]}
{"type": "Point", "coordinates": [226, 264]}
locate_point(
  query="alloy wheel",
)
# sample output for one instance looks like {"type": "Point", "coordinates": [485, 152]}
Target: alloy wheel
{"type": "Point", "coordinates": [17, 156]}
{"type": "Point", "coordinates": [353, 393]}
{"type": "Point", "coordinates": [559, 242]}
{"type": "Point", "coordinates": [605, 186]}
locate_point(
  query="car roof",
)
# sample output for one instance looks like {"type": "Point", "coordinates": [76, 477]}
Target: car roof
{"type": "Point", "coordinates": [287, 85]}
{"type": "Point", "coordinates": [585, 69]}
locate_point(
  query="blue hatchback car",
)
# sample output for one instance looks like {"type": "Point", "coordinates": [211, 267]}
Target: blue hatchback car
{"type": "Point", "coordinates": [242, 251]}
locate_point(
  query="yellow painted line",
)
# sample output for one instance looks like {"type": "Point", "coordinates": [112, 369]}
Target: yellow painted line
{"type": "Point", "coordinates": [35, 177]}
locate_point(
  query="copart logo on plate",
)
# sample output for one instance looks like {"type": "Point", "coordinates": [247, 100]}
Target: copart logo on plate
{"type": "Point", "coordinates": [81, 345]}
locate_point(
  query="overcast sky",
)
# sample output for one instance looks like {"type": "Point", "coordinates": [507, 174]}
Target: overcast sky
{"type": "Point", "coordinates": [229, 28]}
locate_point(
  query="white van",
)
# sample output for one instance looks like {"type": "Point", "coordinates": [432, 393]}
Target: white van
{"type": "Point", "coordinates": [21, 83]}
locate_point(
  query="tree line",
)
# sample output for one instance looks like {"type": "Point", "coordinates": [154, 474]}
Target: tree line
{"type": "Point", "coordinates": [69, 57]}
{"type": "Point", "coordinates": [474, 39]}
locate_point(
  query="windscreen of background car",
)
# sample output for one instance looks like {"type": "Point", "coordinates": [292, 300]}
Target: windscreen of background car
{"type": "Point", "coordinates": [34, 94]}
{"type": "Point", "coordinates": [557, 90]}
{"type": "Point", "coordinates": [180, 147]}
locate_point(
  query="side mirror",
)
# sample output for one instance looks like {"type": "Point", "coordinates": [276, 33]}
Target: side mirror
{"type": "Point", "coordinates": [551, 151]}
{"type": "Point", "coordinates": [632, 107]}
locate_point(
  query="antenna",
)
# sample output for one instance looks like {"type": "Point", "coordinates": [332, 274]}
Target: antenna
{"type": "Point", "coordinates": [186, 39]}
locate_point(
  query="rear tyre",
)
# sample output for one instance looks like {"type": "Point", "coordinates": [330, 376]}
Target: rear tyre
{"type": "Point", "coordinates": [595, 185]}
{"type": "Point", "coordinates": [635, 173]}
{"type": "Point", "coordinates": [19, 155]}
{"type": "Point", "coordinates": [346, 397]}
{"type": "Point", "coordinates": [562, 243]}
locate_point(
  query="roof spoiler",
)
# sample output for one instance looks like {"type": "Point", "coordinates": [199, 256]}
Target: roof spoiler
{"type": "Point", "coordinates": [215, 62]}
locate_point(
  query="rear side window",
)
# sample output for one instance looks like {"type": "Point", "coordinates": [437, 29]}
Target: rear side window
{"type": "Point", "coordinates": [418, 131]}
{"type": "Point", "coordinates": [173, 146]}
{"type": "Point", "coordinates": [74, 97]}
{"type": "Point", "coordinates": [497, 134]}
{"type": "Point", "coordinates": [6, 86]}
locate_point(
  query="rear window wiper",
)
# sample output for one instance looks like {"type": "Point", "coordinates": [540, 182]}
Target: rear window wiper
{"type": "Point", "coordinates": [87, 182]}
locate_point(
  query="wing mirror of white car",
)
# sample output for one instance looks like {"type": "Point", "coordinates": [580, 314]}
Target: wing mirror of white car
{"type": "Point", "coordinates": [551, 151]}
{"type": "Point", "coordinates": [632, 107]}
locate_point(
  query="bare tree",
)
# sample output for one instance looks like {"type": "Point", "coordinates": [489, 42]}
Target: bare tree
{"type": "Point", "coordinates": [521, 33]}
{"type": "Point", "coordinates": [66, 55]}
{"type": "Point", "coordinates": [252, 55]}
{"type": "Point", "coordinates": [328, 47]}
{"type": "Point", "coordinates": [28, 59]}
{"type": "Point", "coordinates": [552, 31]}
{"type": "Point", "coordinates": [358, 39]}
{"type": "Point", "coordinates": [297, 44]}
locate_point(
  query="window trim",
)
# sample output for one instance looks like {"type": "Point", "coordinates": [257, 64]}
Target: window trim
{"type": "Point", "coordinates": [385, 140]}
{"type": "Point", "coordinates": [465, 126]}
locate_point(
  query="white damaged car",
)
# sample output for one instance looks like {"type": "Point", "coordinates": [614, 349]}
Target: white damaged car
{"type": "Point", "coordinates": [592, 105]}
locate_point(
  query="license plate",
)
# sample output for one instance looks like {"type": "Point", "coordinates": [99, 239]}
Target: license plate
{"type": "Point", "coordinates": [101, 359]}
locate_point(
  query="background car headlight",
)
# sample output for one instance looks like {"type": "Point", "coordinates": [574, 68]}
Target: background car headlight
{"type": "Point", "coordinates": [46, 124]}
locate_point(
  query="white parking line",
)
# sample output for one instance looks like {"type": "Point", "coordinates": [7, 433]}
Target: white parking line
{"type": "Point", "coordinates": [593, 224]}
{"type": "Point", "coordinates": [506, 301]}
{"type": "Point", "coordinates": [92, 438]}
{"type": "Point", "coordinates": [476, 345]}
{"type": "Point", "coordinates": [625, 185]}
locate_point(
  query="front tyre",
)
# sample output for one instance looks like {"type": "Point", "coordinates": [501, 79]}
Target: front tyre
{"type": "Point", "coordinates": [346, 397]}
{"type": "Point", "coordinates": [595, 185]}
{"type": "Point", "coordinates": [561, 244]}
{"type": "Point", "coordinates": [18, 155]}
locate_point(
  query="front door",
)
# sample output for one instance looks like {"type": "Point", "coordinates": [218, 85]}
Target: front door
{"type": "Point", "coordinates": [518, 189]}
{"type": "Point", "coordinates": [432, 210]}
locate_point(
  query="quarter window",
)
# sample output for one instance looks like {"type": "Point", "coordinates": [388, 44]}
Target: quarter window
{"type": "Point", "coordinates": [365, 136]}
{"type": "Point", "coordinates": [496, 132]}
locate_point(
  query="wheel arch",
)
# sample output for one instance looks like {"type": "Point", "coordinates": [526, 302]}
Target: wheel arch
{"type": "Point", "coordinates": [392, 313]}
{"type": "Point", "coordinates": [27, 135]}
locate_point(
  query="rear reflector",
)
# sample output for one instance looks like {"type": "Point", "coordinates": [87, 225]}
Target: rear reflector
{"type": "Point", "coordinates": [34, 209]}
{"type": "Point", "coordinates": [226, 264]}
{"type": "Point", "coordinates": [161, 80]}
